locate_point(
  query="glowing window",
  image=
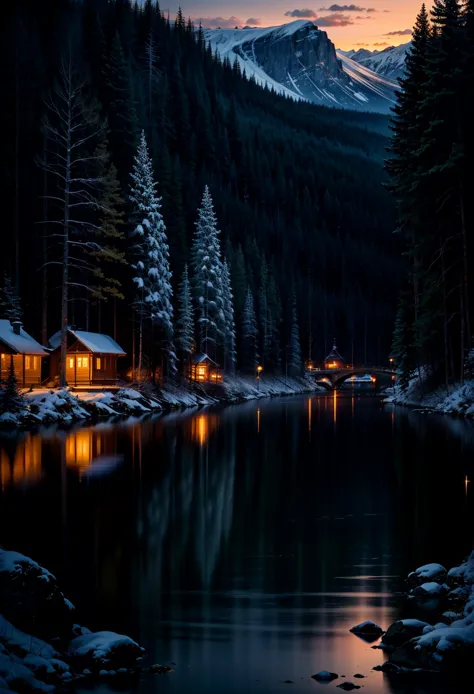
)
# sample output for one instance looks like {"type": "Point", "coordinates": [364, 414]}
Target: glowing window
{"type": "Point", "coordinates": [71, 362]}
{"type": "Point", "coordinates": [82, 362]}
{"type": "Point", "coordinates": [98, 363]}
{"type": "Point", "coordinates": [201, 371]}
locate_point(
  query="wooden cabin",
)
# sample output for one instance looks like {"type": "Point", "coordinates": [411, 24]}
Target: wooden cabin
{"type": "Point", "coordinates": [203, 369]}
{"type": "Point", "coordinates": [334, 359]}
{"type": "Point", "coordinates": [91, 358]}
{"type": "Point", "coordinates": [26, 352]}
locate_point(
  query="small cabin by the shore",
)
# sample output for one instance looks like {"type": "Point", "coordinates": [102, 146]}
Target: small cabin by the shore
{"type": "Point", "coordinates": [203, 369]}
{"type": "Point", "coordinates": [334, 359]}
{"type": "Point", "coordinates": [26, 352]}
{"type": "Point", "coordinates": [91, 358]}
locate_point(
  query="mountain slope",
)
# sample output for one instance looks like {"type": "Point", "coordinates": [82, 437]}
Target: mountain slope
{"type": "Point", "coordinates": [389, 63]}
{"type": "Point", "coordinates": [299, 60]}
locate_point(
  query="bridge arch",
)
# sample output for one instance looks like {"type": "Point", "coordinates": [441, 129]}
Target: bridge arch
{"type": "Point", "coordinates": [333, 379]}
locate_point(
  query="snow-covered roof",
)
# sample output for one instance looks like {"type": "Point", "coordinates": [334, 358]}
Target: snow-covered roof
{"type": "Point", "coordinates": [94, 342]}
{"type": "Point", "coordinates": [334, 355]}
{"type": "Point", "coordinates": [22, 343]}
{"type": "Point", "coordinates": [200, 357]}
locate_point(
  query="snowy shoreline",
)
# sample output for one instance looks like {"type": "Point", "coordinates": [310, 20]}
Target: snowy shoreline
{"type": "Point", "coordinates": [64, 406]}
{"type": "Point", "coordinates": [457, 400]}
{"type": "Point", "coordinates": [42, 649]}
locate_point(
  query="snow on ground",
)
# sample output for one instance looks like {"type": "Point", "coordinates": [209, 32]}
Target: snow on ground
{"type": "Point", "coordinates": [456, 400]}
{"type": "Point", "coordinates": [43, 406]}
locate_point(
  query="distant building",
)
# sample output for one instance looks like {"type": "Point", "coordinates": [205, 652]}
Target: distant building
{"type": "Point", "coordinates": [203, 369]}
{"type": "Point", "coordinates": [334, 359]}
{"type": "Point", "coordinates": [27, 354]}
{"type": "Point", "coordinates": [91, 358]}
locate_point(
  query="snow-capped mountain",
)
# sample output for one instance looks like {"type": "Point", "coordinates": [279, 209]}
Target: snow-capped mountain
{"type": "Point", "coordinates": [299, 60]}
{"type": "Point", "coordinates": [389, 63]}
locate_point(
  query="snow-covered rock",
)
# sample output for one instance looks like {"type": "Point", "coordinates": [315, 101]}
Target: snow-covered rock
{"type": "Point", "coordinates": [426, 573]}
{"type": "Point", "coordinates": [432, 589]}
{"type": "Point", "coordinates": [30, 597]}
{"type": "Point", "coordinates": [104, 650]}
{"type": "Point", "coordinates": [403, 630]}
{"type": "Point", "coordinates": [463, 574]}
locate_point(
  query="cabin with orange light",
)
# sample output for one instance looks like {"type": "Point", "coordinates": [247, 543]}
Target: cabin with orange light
{"type": "Point", "coordinates": [27, 354]}
{"type": "Point", "coordinates": [203, 369]}
{"type": "Point", "coordinates": [334, 359]}
{"type": "Point", "coordinates": [91, 358]}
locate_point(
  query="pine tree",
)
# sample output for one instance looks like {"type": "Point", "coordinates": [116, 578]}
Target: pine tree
{"type": "Point", "coordinates": [249, 335]}
{"type": "Point", "coordinates": [185, 325]}
{"type": "Point", "coordinates": [109, 232]}
{"type": "Point", "coordinates": [230, 354]}
{"type": "Point", "coordinates": [151, 253]}
{"type": "Point", "coordinates": [11, 399]}
{"type": "Point", "coordinates": [403, 347]}
{"type": "Point", "coordinates": [120, 108]}
{"type": "Point", "coordinates": [295, 361]}
{"type": "Point", "coordinates": [10, 305]}
{"type": "Point", "coordinates": [207, 278]}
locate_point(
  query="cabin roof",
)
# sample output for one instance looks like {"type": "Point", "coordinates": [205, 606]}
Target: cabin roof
{"type": "Point", "coordinates": [22, 343]}
{"type": "Point", "coordinates": [97, 343]}
{"type": "Point", "coordinates": [334, 355]}
{"type": "Point", "coordinates": [200, 358]}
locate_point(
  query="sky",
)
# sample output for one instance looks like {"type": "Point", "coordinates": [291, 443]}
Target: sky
{"type": "Point", "coordinates": [373, 24]}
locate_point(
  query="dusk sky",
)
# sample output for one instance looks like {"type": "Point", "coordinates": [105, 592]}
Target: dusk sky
{"type": "Point", "coordinates": [368, 23]}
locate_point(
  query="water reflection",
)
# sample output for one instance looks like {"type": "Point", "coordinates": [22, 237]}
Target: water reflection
{"type": "Point", "coordinates": [243, 543]}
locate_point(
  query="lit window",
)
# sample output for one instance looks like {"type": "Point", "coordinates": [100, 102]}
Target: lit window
{"type": "Point", "coordinates": [71, 362]}
{"type": "Point", "coordinates": [27, 363]}
{"type": "Point", "coordinates": [98, 364]}
{"type": "Point", "coordinates": [201, 372]}
{"type": "Point", "coordinates": [82, 362]}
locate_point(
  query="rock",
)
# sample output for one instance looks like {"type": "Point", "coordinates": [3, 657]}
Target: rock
{"type": "Point", "coordinates": [348, 686]}
{"type": "Point", "coordinates": [367, 630]}
{"type": "Point", "coordinates": [447, 649]}
{"type": "Point", "coordinates": [359, 676]}
{"type": "Point", "coordinates": [324, 676]}
{"type": "Point", "coordinates": [451, 616]}
{"type": "Point", "coordinates": [288, 682]}
{"type": "Point", "coordinates": [429, 590]}
{"type": "Point", "coordinates": [19, 677]}
{"type": "Point", "coordinates": [159, 669]}
{"type": "Point", "coordinates": [104, 647]}
{"type": "Point", "coordinates": [30, 597]}
{"type": "Point", "coordinates": [426, 573]}
{"type": "Point", "coordinates": [402, 631]}
{"type": "Point", "coordinates": [463, 574]}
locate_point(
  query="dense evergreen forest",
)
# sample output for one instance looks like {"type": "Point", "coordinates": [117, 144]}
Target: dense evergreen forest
{"type": "Point", "coordinates": [432, 151]}
{"type": "Point", "coordinates": [305, 250]}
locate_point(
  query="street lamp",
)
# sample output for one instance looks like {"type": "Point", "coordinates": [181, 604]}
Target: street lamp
{"type": "Point", "coordinates": [259, 371]}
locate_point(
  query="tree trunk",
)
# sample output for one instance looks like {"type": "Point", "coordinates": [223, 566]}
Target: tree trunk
{"type": "Point", "coordinates": [17, 171]}
{"type": "Point", "coordinates": [65, 273]}
{"type": "Point", "coordinates": [44, 249]}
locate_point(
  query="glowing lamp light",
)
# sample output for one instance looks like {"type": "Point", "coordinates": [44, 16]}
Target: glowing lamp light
{"type": "Point", "coordinates": [259, 369]}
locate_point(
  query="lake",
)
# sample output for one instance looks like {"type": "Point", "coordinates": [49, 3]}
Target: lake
{"type": "Point", "coordinates": [240, 544]}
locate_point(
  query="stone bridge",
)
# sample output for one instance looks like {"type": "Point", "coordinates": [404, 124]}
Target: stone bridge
{"type": "Point", "coordinates": [333, 378]}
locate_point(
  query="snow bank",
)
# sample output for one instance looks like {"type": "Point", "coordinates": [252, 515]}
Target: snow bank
{"type": "Point", "coordinates": [428, 572]}
{"type": "Point", "coordinates": [457, 400]}
{"type": "Point", "coordinates": [104, 649]}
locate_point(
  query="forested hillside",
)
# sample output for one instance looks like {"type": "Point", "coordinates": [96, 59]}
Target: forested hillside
{"type": "Point", "coordinates": [297, 189]}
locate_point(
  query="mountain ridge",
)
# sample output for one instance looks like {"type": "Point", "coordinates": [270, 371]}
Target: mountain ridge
{"type": "Point", "coordinates": [300, 61]}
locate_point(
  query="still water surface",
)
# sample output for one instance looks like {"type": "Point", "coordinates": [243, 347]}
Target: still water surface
{"type": "Point", "coordinates": [240, 545]}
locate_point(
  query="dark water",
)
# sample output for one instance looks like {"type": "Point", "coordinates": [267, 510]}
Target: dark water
{"type": "Point", "coordinates": [241, 544]}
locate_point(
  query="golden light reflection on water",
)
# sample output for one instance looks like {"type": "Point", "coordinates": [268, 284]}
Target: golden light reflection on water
{"type": "Point", "coordinates": [202, 426]}
{"type": "Point", "coordinates": [258, 420]}
{"type": "Point", "coordinates": [310, 412]}
{"type": "Point", "coordinates": [334, 407]}
{"type": "Point", "coordinates": [26, 464]}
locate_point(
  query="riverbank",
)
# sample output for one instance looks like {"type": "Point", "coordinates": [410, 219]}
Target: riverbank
{"type": "Point", "coordinates": [49, 406]}
{"type": "Point", "coordinates": [42, 648]}
{"type": "Point", "coordinates": [457, 400]}
{"type": "Point", "coordinates": [440, 636]}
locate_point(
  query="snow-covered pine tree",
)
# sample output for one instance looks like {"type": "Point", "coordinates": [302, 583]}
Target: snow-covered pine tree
{"type": "Point", "coordinates": [152, 274]}
{"type": "Point", "coordinates": [264, 318]}
{"type": "Point", "coordinates": [295, 362]}
{"type": "Point", "coordinates": [10, 305]}
{"type": "Point", "coordinates": [249, 335]}
{"type": "Point", "coordinates": [207, 278]}
{"type": "Point", "coordinates": [11, 399]}
{"type": "Point", "coordinates": [185, 325]}
{"type": "Point", "coordinates": [230, 354]}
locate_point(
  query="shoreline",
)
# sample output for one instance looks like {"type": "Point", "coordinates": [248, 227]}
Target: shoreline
{"type": "Point", "coordinates": [43, 407]}
{"type": "Point", "coordinates": [456, 401]}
